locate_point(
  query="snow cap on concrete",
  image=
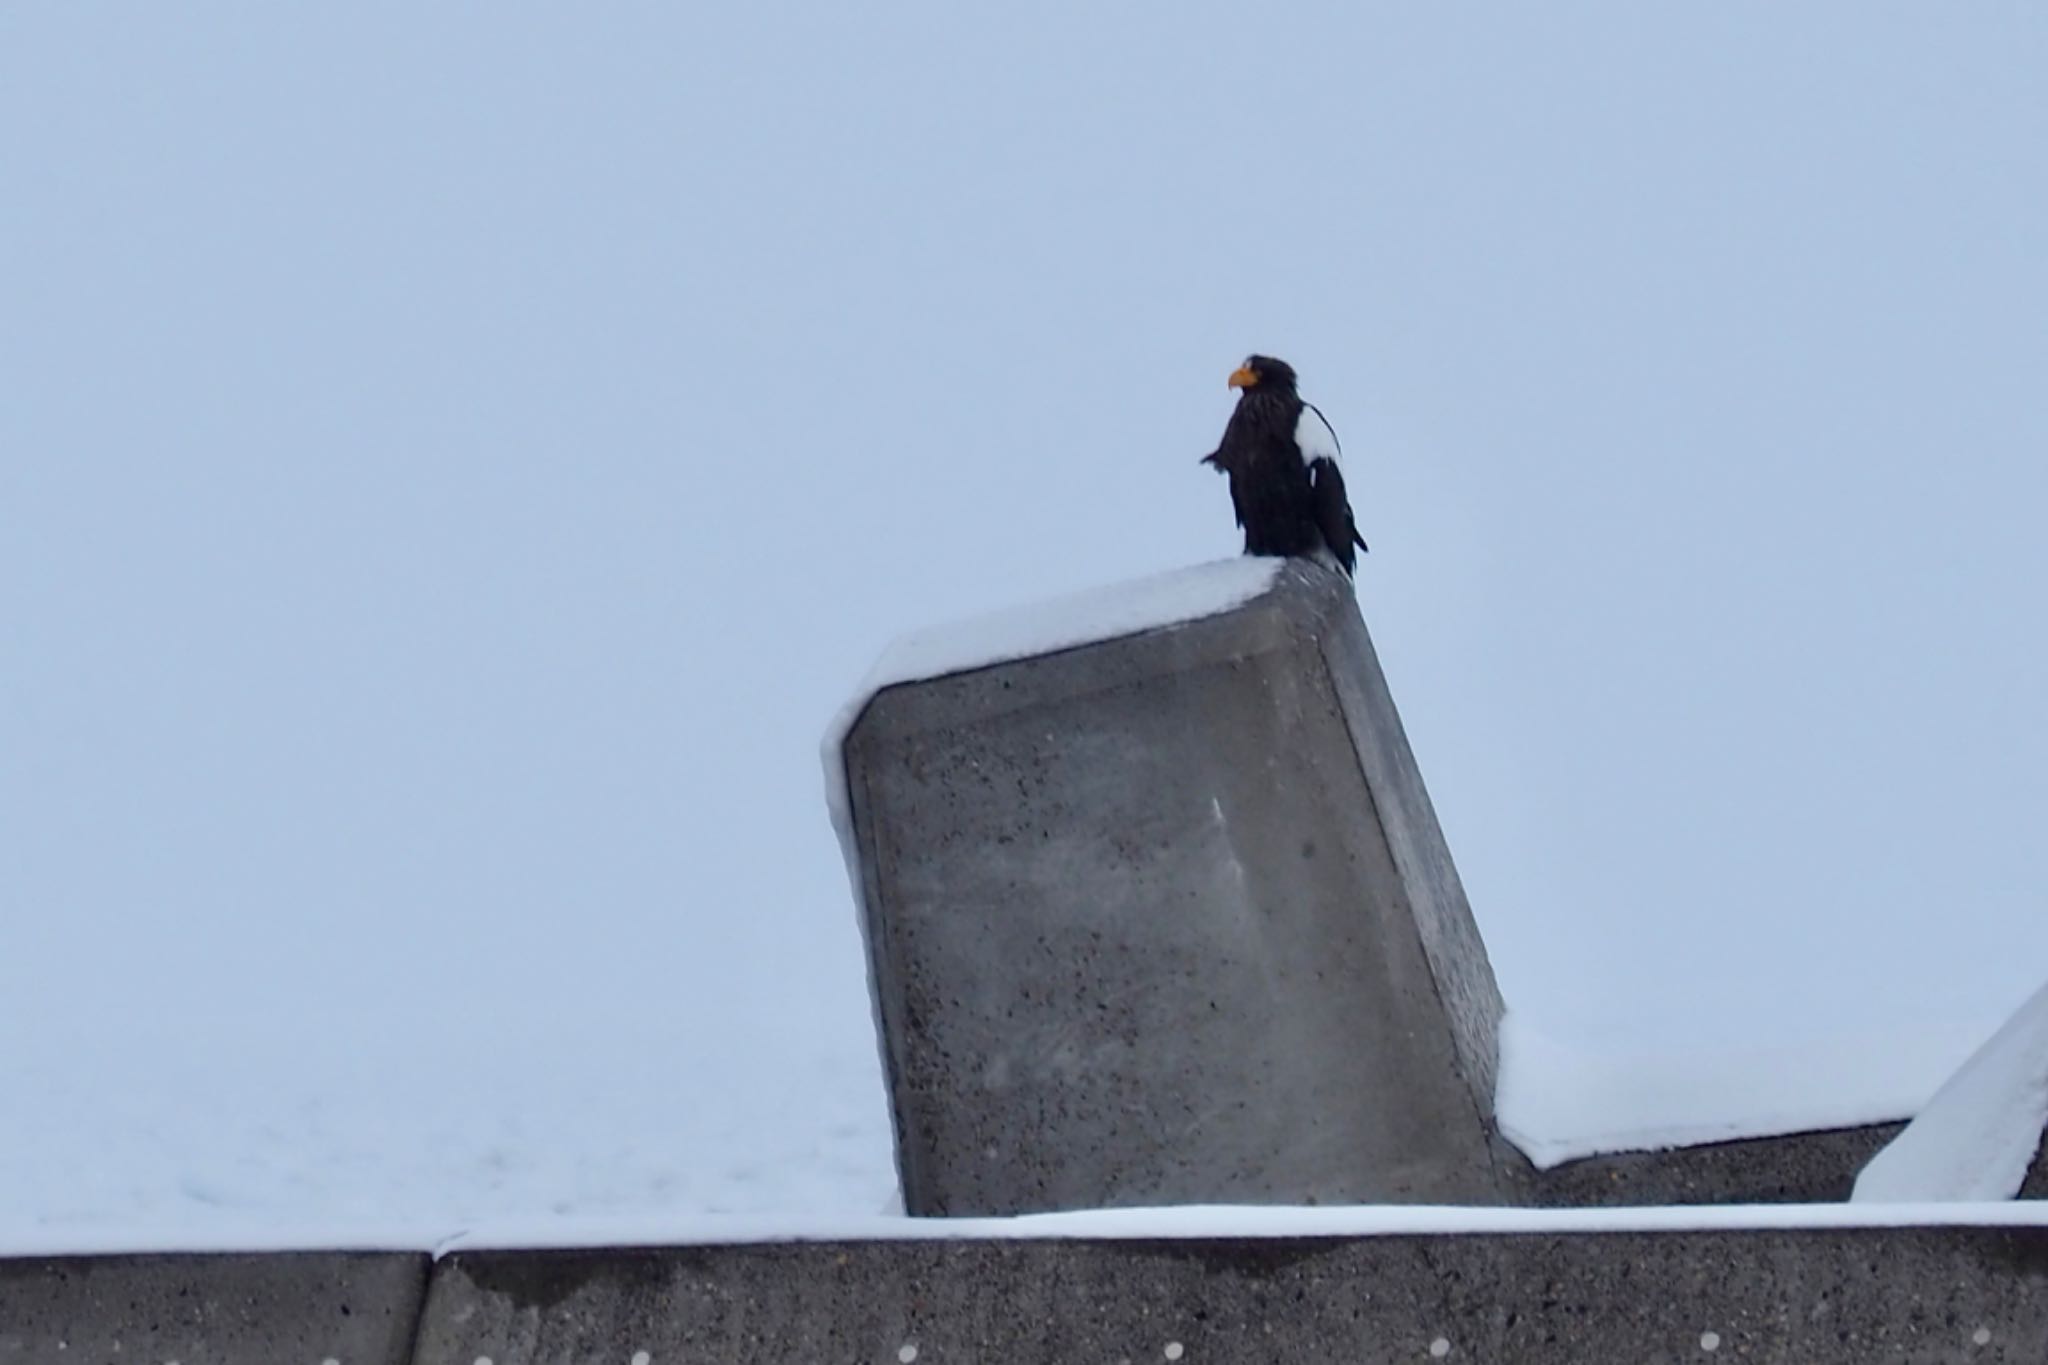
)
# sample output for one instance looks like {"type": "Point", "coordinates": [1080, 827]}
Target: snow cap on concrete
{"type": "Point", "coordinates": [1083, 618]}
{"type": "Point", "coordinates": [1975, 1138]}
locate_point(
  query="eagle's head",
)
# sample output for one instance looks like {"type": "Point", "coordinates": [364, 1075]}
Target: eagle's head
{"type": "Point", "coordinates": [1263, 371]}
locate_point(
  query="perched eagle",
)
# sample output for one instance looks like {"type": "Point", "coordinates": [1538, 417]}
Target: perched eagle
{"type": "Point", "coordinates": [1281, 457]}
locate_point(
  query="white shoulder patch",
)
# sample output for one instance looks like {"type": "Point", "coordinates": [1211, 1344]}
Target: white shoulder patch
{"type": "Point", "coordinates": [1313, 436]}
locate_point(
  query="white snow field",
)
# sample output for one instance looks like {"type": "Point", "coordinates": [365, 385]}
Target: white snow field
{"type": "Point", "coordinates": [306, 1144]}
{"type": "Point", "coordinates": [566, 1136]}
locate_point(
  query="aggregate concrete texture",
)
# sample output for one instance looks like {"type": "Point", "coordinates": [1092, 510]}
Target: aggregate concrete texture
{"type": "Point", "coordinates": [1168, 918]}
{"type": "Point", "coordinates": [1813, 1296]}
{"type": "Point", "coordinates": [280, 1308]}
{"type": "Point", "coordinates": [1793, 1168]}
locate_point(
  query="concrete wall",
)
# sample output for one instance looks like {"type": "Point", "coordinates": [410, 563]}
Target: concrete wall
{"type": "Point", "coordinates": [1813, 1296]}
{"type": "Point", "coordinates": [1168, 918]}
{"type": "Point", "coordinates": [1804, 1297]}
{"type": "Point", "coordinates": [291, 1308]}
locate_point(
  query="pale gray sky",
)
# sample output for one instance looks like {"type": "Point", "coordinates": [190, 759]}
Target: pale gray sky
{"type": "Point", "coordinates": [453, 461]}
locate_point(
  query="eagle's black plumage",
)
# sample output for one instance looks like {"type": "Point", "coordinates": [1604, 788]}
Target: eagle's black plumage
{"type": "Point", "coordinates": [1281, 456]}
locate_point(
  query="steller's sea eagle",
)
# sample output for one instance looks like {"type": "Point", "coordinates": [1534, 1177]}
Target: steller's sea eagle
{"type": "Point", "coordinates": [1281, 456]}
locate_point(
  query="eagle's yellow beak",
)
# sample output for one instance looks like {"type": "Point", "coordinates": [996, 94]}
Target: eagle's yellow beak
{"type": "Point", "coordinates": [1243, 377]}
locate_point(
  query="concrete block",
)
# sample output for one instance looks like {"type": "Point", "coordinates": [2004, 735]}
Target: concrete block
{"type": "Point", "coordinates": [1167, 918]}
{"type": "Point", "coordinates": [1810, 1297]}
{"type": "Point", "coordinates": [301, 1308]}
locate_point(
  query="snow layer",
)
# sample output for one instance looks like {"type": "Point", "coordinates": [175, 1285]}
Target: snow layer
{"type": "Point", "coordinates": [1558, 1103]}
{"type": "Point", "coordinates": [1259, 1220]}
{"type": "Point", "coordinates": [1192, 1221]}
{"type": "Point", "coordinates": [317, 1142]}
{"type": "Point", "coordinates": [1976, 1137]}
{"type": "Point", "coordinates": [1059, 623]}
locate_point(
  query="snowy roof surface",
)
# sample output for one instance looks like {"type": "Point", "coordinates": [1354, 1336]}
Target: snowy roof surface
{"type": "Point", "coordinates": [1558, 1103]}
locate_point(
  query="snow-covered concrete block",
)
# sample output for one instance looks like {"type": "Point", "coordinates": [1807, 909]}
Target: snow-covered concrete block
{"type": "Point", "coordinates": [1157, 909]}
{"type": "Point", "coordinates": [1978, 1136]}
{"type": "Point", "coordinates": [244, 1309]}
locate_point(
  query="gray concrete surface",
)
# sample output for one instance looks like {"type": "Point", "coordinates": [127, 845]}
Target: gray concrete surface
{"type": "Point", "coordinates": [1794, 1168]}
{"type": "Point", "coordinates": [1813, 1297]}
{"type": "Point", "coordinates": [1168, 919]}
{"type": "Point", "coordinates": [289, 1308]}
{"type": "Point", "coordinates": [1407, 821]}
